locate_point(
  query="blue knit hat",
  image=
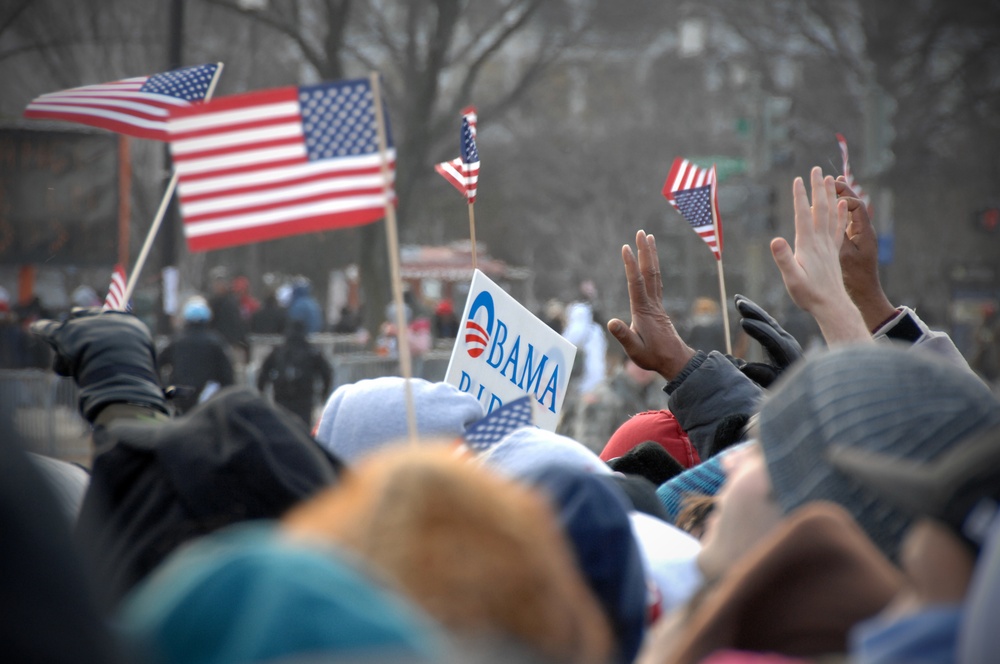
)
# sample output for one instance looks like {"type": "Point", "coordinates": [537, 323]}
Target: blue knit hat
{"type": "Point", "coordinates": [705, 479]}
{"type": "Point", "coordinates": [594, 517]}
{"type": "Point", "coordinates": [247, 594]}
{"type": "Point", "coordinates": [362, 417]}
{"type": "Point", "coordinates": [899, 403]}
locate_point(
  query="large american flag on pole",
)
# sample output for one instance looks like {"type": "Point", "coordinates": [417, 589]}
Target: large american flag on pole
{"type": "Point", "coordinates": [138, 106]}
{"type": "Point", "coordinates": [848, 176]}
{"type": "Point", "coordinates": [463, 172]}
{"type": "Point", "coordinates": [280, 162]}
{"type": "Point", "coordinates": [692, 191]}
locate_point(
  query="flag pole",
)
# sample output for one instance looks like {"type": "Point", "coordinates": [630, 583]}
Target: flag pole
{"type": "Point", "coordinates": [718, 261]}
{"type": "Point", "coordinates": [392, 235]}
{"type": "Point", "coordinates": [725, 309]}
{"type": "Point", "coordinates": [154, 228]}
{"type": "Point", "coordinates": [472, 232]}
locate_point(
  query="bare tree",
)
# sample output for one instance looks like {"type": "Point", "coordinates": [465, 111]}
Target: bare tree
{"type": "Point", "coordinates": [433, 56]}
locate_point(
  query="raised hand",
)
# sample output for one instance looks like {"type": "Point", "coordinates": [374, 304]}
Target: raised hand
{"type": "Point", "coordinates": [651, 341]}
{"type": "Point", "coordinates": [859, 260]}
{"type": "Point", "coordinates": [812, 272]}
{"type": "Point", "coordinates": [781, 347]}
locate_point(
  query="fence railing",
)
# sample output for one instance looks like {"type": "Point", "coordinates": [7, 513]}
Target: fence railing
{"type": "Point", "coordinates": [45, 411]}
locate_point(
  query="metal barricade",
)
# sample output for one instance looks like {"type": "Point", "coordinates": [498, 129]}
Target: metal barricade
{"type": "Point", "coordinates": [44, 411]}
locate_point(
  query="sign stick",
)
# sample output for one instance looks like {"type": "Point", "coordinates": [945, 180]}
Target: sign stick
{"type": "Point", "coordinates": [472, 232]}
{"type": "Point", "coordinates": [140, 262]}
{"type": "Point", "coordinates": [392, 235]}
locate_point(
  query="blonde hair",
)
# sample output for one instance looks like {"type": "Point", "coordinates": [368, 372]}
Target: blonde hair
{"type": "Point", "coordinates": [482, 555]}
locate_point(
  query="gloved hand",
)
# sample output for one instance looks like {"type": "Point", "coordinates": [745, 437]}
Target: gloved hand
{"type": "Point", "coordinates": [110, 355]}
{"type": "Point", "coordinates": [781, 348]}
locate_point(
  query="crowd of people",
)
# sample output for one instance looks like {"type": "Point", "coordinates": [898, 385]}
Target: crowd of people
{"type": "Point", "coordinates": [831, 504]}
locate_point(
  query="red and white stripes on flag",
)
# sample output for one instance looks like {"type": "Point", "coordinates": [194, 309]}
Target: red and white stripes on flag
{"type": "Point", "coordinates": [463, 172]}
{"type": "Point", "coordinates": [280, 162]}
{"type": "Point", "coordinates": [849, 177]}
{"type": "Point", "coordinates": [692, 192]}
{"type": "Point", "coordinates": [138, 106]}
{"type": "Point", "coordinates": [115, 299]}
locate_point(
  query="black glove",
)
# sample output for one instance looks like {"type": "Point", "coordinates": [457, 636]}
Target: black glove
{"type": "Point", "coordinates": [110, 355]}
{"type": "Point", "coordinates": [781, 348]}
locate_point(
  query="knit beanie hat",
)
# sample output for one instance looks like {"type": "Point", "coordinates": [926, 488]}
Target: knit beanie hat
{"type": "Point", "coordinates": [899, 403]}
{"type": "Point", "coordinates": [705, 479]}
{"type": "Point", "coordinates": [595, 518]}
{"type": "Point", "coordinates": [156, 485]}
{"type": "Point", "coordinates": [525, 450]}
{"type": "Point", "coordinates": [250, 594]}
{"type": "Point", "coordinates": [362, 417]}
{"type": "Point", "coordinates": [661, 427]}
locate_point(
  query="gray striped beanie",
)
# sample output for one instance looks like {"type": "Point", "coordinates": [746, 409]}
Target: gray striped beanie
{"type": "Point", "coordinates": [879, 398]}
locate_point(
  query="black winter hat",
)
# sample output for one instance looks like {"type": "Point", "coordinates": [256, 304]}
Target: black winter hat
{"type": "Point", "coordinates": [156, 485]}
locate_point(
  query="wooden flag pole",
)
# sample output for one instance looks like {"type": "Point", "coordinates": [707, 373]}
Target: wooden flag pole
{"type": "Point", "coordinates": [725, 309]}
{"type": "Point", "coordinates": [722, 278]}
{"type": "Point", "coordinates": [392, 235]}
{"type": "Point", "coordinates": [154, 228]}
{"type": "Point", "coordinates": [472, 233]}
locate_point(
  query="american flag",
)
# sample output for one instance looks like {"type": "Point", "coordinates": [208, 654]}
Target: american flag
{"type": "Point", "coordinates": [280, 162]}
{"type": "Point", "coordinates": [115, 299]}
{"type": "Point", "coordinates": [463, 172]}
{"type": "Point", "coordinates": [487, 432]}
{"type": "Point", "coordinates": [137, 106]}
{"type": "Point", "coordinates": [692, 191]}
{"type": "Point", "coordinates": [848, 177]}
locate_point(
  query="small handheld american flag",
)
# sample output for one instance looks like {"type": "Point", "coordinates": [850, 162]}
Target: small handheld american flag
{"type": "Point", "coordinates": [692, 191]}
{"type": "Point", "coordinates": [115, 300]}
{"type": "Point", "coordinates": [463, 172]}
{"type": "Point", "coordinates": [848, 176]}
{"type": "Point", "coordinates": [487, 432]}
{"type": "Point", "coordinates": [136, 106]}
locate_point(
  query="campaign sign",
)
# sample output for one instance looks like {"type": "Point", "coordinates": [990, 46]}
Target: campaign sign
{"type": "Point", "coordinates": [503, 352]}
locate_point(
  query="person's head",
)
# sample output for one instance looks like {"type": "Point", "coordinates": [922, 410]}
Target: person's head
{"type": "Point", "coordinates": [301, 287]}
{"type": "Point", "coordinates": [955, 501]}
{"type": "Point", "coordinates": [743, 511]}
{"type": "Point", "coordinates": [704, 307]}
{"type": "Point", "coordinates": [659, 426]}
{"type": "Point", "coordinates": [295, 330]}
{"type": "Point", "coordinates": [695, 510]}
{"type": "Point", "coordinates": [219, 279]}
{"type": "Point", "coordinates": [364, 416]}
{"type": "Point", "coordinates": [196, 311]}
{"type": "Point", "coordinates": [883, 399]}
{"type": "Point", "coordinates": [156, 485]}
{"type": "Point", "coordinates": [297, 603]}
{"type": "Point", "coordinates": [241, 285]}
{"type": "Point", "coordinates": [481, 554]}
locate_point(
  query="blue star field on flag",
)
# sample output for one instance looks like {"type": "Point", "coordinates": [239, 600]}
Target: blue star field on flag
{"type": "Point", "coordinates": [490, 430]}
{"type": "Point", "coordinates": [470, 154]}
{"type": "Point", "coordinates": [695, 205]}
{"type": "Point", "coordinates": [189, 83]}
{"type": "Point", "coordinates": [337, 120]}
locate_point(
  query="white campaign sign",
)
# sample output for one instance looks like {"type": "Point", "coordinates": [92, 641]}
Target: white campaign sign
{"type": "Point", "coordinates": [503, 352]}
